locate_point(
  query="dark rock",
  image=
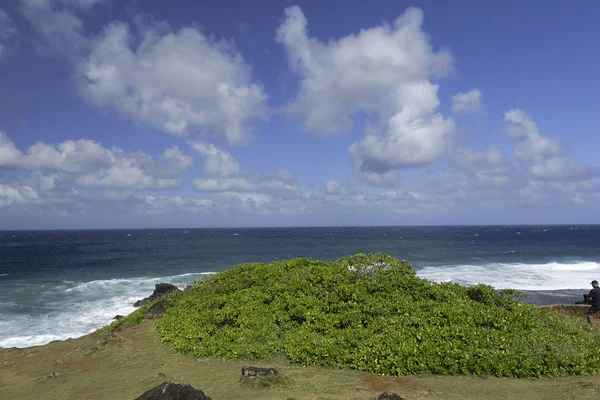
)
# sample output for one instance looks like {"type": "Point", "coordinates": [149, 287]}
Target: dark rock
{"type": "Point", "coordinates": [118, 317]}
{"type": "Point", "coordinates": [255, 372]}
{"type": "Point", "coordinates": [157, 310]}
{"type": "Point", "coordinates": [142, 302]}
{"type": "Point", "coordinates": [390, 396]}
{"type": "Point", "coordinates": [160, 289]}
{"type": "Point", "coordinates": [174, 391]}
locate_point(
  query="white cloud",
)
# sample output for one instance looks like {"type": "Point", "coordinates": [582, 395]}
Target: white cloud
{"type": "Point", "coordinates": [384, 71]}
{"type": "Point", "coordinates": [176, 81]}
{"type": "Point", "coordinates": [221, 173]}
{"type": "Point", "coordinates": [563, 168]}
{"type": "Point", "coordinates": [469, 159]}
{"type": "Point", "coordinates": [467, 103]}
{"type": "Point", "coordinates": [140, 171]}
{"type": "Point", "coordinates": [416, 135]}
{"type": "Point", "coordinates": [7, 30]}
{"type": "Point", "coordinates": [218, 163]}
{"type": "Point", "coordinates": [69, 156]}
{"type": "Point", "coordinates": [544, 157]}
{"type": "Point", "coordinates": [60, 30]}
{"type": "Point", "coordinates": [16, 194]}
{"type": "Point", "coordinates": [332, 186]}
{"type": "Point", "coordinates": [98, 166]}
{"type": "Point", "coordinates": [224, 185]}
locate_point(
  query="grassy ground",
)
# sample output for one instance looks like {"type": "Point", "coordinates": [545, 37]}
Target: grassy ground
{"type": "Point", "coordinates": [100, 366]}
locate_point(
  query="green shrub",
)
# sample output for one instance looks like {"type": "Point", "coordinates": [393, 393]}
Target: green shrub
{"type": "Point", "coordinates": [135, 317]}
{"type": "Point", "coordinates": [371, 312]}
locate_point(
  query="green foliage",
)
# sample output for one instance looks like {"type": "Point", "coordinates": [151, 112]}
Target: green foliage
{"type": "Point", "coordinates": [371, 312]}
{"type": "Point", "coordinates": [135, 317]}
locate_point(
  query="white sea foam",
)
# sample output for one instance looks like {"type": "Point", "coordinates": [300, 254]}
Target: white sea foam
{"type": "Point", "coordinates": [549, 276]}
{"type": "Point", "coordinates": [76, 309]}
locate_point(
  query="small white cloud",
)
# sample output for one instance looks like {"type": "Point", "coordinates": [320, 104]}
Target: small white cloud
{"type": "Point", "coordinates": [467, 103]}
{"type": "Point", "coordinates": [224, 185]}
{"type": "Point", "coordinates": [221, 173]}
{"type": "Point", "coordinates": [543, 156]}
{"type": "Point", "coordinates": [218, 163]}
{"type": "Point", "coordinates": [332, 186]}
{"type": "Point", "coordinates": [16, 194]}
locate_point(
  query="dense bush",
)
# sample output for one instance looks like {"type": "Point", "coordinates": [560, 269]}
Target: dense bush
{"type": "Point", "coordinates": [371, 312]}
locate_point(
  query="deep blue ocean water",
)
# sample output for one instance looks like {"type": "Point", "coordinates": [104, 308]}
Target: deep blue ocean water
{"type": "Point", "coordinates": [60, 284]}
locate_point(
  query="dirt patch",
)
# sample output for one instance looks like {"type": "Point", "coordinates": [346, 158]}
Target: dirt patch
{"type": "Point", "coordinates": [83, 365]}
{"type": "Point", "coordinates": [85, 392]}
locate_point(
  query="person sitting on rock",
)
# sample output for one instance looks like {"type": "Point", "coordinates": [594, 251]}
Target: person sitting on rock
{"type": "Point", "coordinates": [594, 300]}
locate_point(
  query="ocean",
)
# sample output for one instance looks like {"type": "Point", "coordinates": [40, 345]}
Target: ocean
{"type": "Point", "coordinates": [61, 284]}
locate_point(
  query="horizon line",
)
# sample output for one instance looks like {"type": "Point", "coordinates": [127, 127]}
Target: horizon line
{"type": "Point", "coordinates": [301, 227]}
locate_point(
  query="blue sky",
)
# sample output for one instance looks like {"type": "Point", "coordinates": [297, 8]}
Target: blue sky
{"type": "Point", "coordinates": [122, 114]}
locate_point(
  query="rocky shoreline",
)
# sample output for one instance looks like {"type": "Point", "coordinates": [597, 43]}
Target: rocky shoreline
{"type": "Point", "coordinates": [132, 362]}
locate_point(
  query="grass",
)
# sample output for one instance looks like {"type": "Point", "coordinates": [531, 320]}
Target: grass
{"type": "Point", "coordinates": [100, 366]}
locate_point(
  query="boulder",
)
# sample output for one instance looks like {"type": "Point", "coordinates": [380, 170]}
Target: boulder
{"type": "Point", "coordinates": [160, 289]}
{"type": "Point", "coordinates": [157, 310]}
{"type": "Point", "coordinates": [174, 391]}
{"type": "Point", "coordinates": [390, 396]}
{"type": "Point", "coordinates": [118, 317]}
{"type": "Point", "coordinates": [255, 372]}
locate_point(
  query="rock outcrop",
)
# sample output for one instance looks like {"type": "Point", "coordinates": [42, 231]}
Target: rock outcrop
{"type": "Point", "coordinates": [390, 396]}
{"type": "Point", "coordinates": [161, 289]}
{"type": "Point", "coordinates": [257, 372]}
{"type": "Point", "coordinates": [174, 391]}
{"type": "Point", "coordinates": [157, 310]}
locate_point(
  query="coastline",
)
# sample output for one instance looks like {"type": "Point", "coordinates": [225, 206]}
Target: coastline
{"type": "Point", "coordinates": [127, 362]}
{"type": "Point", "coordinates": [540, 298]}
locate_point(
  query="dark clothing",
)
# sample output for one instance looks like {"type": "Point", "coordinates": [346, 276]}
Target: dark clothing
{"type": "Point", "coordinates": [592, 310]}
{"type": "Point", "coordinates": [594, 296]}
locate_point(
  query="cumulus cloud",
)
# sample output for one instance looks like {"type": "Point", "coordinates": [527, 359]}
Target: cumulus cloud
{"type": "Point", "coordinates": [383, 71]}
{"type": "Point", "coordinates": [218, 162]}
{"type": "Point", "coordinates": [98, 166]}
{"type": "Point", "coordinates": [16, 194]}
{"type": "Point", "coordinates": [467, 103]}
{"type": "Point", "coordinates": [415, 136]}
{"type": "Point", "coordinates": [221, 173]}
{"type": "Point", "coordinates": [7, 30]}
{"type": "Point", "coordinates": [544, 157]}
{"type": "Point", "coordinates": [176, 81]}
